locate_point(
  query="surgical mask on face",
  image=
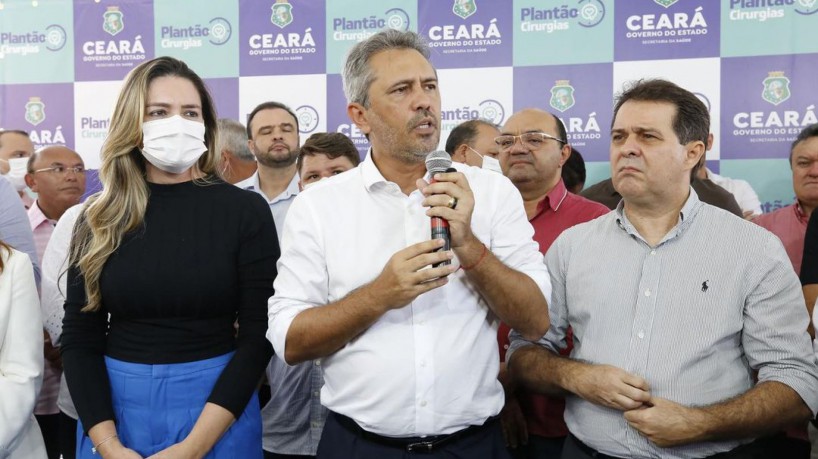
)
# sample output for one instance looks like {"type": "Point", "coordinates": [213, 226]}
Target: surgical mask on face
{"type": "Point", "coordinates": [489, 163]}
{"type": "Point", "coordinates": [17, 172]}
{"type": "Point", "coordinates": [173, 144]}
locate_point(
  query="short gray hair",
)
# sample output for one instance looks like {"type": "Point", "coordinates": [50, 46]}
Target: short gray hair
{"type": "Point", "coordinates": [357, 73]}
{"type": "Point", "coordinates": [233, 137]}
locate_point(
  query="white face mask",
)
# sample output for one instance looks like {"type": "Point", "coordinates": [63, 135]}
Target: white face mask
{"type": "Point", "coordinates": [17, 172]}
{"type": "Point", "coordinates": [173, 144]}
{"type": "Point", "coordinates": [489, 163]}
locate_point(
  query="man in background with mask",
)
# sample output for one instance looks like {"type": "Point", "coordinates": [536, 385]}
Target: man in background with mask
{"type": "Point", "coordinates": [533, 150]}
{"type": "Point", "coordinates": [15, 149]}
{"type": "Point", "coordinates": [323, 155]}
{"type": "Point", "coordinates": [472, 143]}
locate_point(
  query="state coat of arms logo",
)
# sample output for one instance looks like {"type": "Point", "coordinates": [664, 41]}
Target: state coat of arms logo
{"type": "Point", "coordinates": [35, 111]}
{"type": "Point", "coordinates": [282, 13]}
{"type": "Point", "coordinates": [665, 3]}
{"type": "Point", "coordinates": [113, 20]}
{"type": "Point", "coordinates": [776, 88]}
{"type": "Point", "coordinates": [464, 8]}
{"type": "Point", "coordinates": [562, 95]}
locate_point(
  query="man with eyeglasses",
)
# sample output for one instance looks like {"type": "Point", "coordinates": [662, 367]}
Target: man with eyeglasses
{"type": "Point", "coordinates": [57, 175]}
{"type": "Point", "coordinates": [533, 150]}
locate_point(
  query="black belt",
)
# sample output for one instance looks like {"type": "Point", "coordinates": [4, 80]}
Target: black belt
{"type": "Point", "coordinates": [588, 450]}
{"type": "Point", "coordinates": [413, 444]}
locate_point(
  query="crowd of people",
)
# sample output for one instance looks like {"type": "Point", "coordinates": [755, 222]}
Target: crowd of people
{"type": "Point", "coordinates": [233, 293]}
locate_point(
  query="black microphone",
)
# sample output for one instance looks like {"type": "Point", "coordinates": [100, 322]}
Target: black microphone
{"type": "Point", "coordinates": [438, 162]}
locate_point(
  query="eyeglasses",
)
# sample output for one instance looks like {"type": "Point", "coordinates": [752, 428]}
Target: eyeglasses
{"type": "Point", "coordinates": [62, 170]}
{"type": "Point", "coordinates": [532, 140]}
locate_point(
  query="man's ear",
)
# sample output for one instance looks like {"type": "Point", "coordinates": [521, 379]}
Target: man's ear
{"type": "Point", "coordinates": [694, 153]}
{"type": "Point", "coordinates": [459, 154]}
{"type": "Point", "coordinates": [357, 113]}
{"type": "Point", "coordinates": [565, 153]}
{"type": "Point", "coordinates": [31, 183]}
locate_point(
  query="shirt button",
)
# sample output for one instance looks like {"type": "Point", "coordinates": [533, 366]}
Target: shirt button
{"type": "Point", "coordinates": [316, 394]}
{"type": "Point", "coordinates": [647, 292]}
{"type": "Point", "coordinates": [423, 403]}
{"type": "Point", "coordinates": [421, 322]}
{"type": "Point", "coordinates": [653, 252]}
{"type": "Point", "coordinates": [505, 346]}
{"type": "Point", "coordinates": [641, 334]}
{"type": "Point", "coordinates": [317, 363]}
{"type": "Point", "coordinates": [422, 363]}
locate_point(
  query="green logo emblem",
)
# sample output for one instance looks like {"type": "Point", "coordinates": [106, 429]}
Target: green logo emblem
{"type": "Point", "coordinates": [776, 88]}
{"type": "Point", "coordinates": [113, 22]}
{"type": "Point", "coordinates": [35, 111]}
{"type": "Point", "coordinates": [562, 95]}
{"type": "Point", "coordinates": [464, 8]}
{"type": "Point", "coordinates": [282, 13]}
{"type": "Point", "coordinates": [666, 3]}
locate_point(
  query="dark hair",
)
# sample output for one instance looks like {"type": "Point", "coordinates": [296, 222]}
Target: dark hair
{"type": "Point", "coordinates": [331, 144]}
{"type": "Point", "coordinates": [560, 129]}
{"type": "Point", "coordinates": [464, 133]}
{"type": "Point", "coordinates": [271, 105]}
{"type": "Point", "coordinates": [806, 133]}
{"type": "Point", "coordinates": [573, 171]}
{"type": "Point", "coordinates": [690, 122]}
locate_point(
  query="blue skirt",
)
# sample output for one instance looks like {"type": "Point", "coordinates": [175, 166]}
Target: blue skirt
{"type": "Point", "coordinates": [156, 406]}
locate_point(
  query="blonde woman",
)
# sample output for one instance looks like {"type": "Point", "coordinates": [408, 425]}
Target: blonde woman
{"type": "Point", "coordinates": [163, 261]}
{"type": "Point", "coordinates": [21, 357]}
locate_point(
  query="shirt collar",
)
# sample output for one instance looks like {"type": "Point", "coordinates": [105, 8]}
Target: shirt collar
{"type": "Point", "coordinates": [373, 179]}
{"type": "Point", "coordinates": [36, 217]}
{"type": "Point", "coordinates": [252, 183]}
{"type": "Point", "coordinates": [686, 216]}
{"type": "Point", "coordinates": [554, 198]}
{"type": "Point", "coordinates": [799, 213]}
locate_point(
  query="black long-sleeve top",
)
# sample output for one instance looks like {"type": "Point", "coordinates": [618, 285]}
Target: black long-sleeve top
{"type": "Point", "coordinates": [203, 259]}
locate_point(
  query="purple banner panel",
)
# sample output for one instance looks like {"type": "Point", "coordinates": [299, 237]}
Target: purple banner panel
{"type": "Point", "coordinates": [45, 111]}
{"type": "Point", "coordinates": [281, 37]}
{"type": "Point", "coordinates": [666, 29]}
{"type": "Point", "coordinates": [337, 119]}
{"type": "Point", "coordinates": [111, 39]}
{"type": "Point", "coordinates": [225, 94]}
{"type": "Point", "coordinates": [467, 33]}
{"type": "Point", "coordinates": [580, 95]}
{"type": "Point", "coordinates": [766, 101]}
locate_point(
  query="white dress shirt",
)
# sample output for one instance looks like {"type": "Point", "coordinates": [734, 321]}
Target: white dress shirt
{"type": "Point", "coordinates": [745, 196]}
{"type": "Point", "coordinates": [430, 367]}
{"type": "Point", "coordinates": [55, 266]}
{"type": "Point", "coordinates": [21, 358]}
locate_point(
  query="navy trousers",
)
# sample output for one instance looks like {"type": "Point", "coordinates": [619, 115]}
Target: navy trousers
{"type": "Point", "coordinates": [340, 442]}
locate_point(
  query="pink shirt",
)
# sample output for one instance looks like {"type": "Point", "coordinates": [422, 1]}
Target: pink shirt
{"type": "Point", "coordinates": [42, 227]}
{"type": "Point", "coordinates": [789, 224]}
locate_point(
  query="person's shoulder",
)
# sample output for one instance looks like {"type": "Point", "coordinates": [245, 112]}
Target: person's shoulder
{"type": "Point", "coordinates": [731, 227]}
{"type": "Point", "coordinates": [15, 261]}
{"type": "Point", "coordinates": [769, 218]}
{"type": "Point", "coordinates": [587, 207]}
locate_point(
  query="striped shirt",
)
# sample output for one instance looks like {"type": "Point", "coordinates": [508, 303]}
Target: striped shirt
{"type": "Point", "coordinates": [695, 315]}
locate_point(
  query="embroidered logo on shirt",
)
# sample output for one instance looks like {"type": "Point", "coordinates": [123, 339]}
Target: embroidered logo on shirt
{"type": "Point", "coordinates": [704, 285]}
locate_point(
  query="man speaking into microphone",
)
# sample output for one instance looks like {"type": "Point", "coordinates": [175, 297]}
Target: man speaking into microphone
{"type": "Point", "coordinates": [408, 349]}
